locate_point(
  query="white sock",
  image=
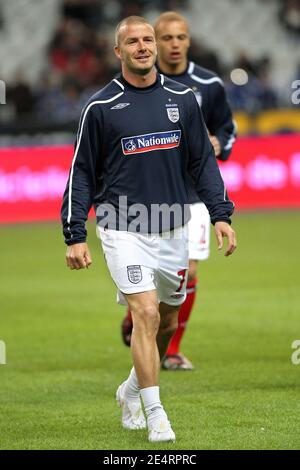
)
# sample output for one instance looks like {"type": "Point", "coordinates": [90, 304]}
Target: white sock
{"type": "Point", "coordinates": [132, 389]}
{"type": "Point", "coordinates": [153, 407]}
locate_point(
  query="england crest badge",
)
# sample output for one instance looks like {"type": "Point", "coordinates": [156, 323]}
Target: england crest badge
{"type": "Point", "coordinates": [134, 274]}
{"type": "Point", "coordinates": [173, 114]}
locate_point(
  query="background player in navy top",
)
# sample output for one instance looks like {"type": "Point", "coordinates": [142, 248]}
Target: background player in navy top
{"type": "Point", "coordinates": [173, 41]}
{"type": "Point", "coordinates": [140, 137]}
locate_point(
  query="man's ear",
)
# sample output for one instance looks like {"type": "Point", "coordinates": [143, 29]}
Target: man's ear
{"type": "Point", "coordinates": [117, 52]}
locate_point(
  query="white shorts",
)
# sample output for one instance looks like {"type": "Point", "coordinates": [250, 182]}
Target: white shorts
{"type": "Point", "coordinates": [141, 262]}
{"type": "Point", "coordinates": [199, 232]}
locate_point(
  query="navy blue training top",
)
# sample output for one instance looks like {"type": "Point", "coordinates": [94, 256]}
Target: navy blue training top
{"type": "Point", "coordinates": [211, 96]}
{"type": "Point", "coordinates": [142, 144]}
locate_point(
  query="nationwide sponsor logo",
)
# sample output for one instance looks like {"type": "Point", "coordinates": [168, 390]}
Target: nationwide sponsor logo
{"type": "Point", "coordinates": [149, 142]}
{"type": "Point", "coordinates": [134, 273]}
{"type": "Point", "coordinates": [120, 106]}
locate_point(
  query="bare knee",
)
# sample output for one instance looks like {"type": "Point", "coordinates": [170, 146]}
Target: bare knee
{"type": "Point", "coordinates": [146, 317]}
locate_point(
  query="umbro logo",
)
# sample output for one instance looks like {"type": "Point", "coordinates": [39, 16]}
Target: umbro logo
{"type": "Point", "coordinates": [120, 106]}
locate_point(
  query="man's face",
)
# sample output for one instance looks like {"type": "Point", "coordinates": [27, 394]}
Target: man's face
{"type": "Point", "coordinates": [137, 48]}
{"type": "Point", "coordinates": [173, 42]}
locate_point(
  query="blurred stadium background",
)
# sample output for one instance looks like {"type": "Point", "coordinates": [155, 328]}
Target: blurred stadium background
{"type": "Point", "coordinates": [64, 355]}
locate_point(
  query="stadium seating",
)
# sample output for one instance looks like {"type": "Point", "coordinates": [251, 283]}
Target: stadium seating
{"type": "Point", "coordinates": [229, 26]}
{"type": "Point", "coordinates": [27, 27]}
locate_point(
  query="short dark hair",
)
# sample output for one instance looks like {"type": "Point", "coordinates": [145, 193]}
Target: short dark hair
{"type": "Point", "coordinates": [127, 21]}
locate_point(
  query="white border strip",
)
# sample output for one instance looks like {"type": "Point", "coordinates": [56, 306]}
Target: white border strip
{"type": "Point", "coordinates": [178, 92]}
{"type": "Point", "coordinates": [207, 81]}
{"type": "Point", "coordinates": [118, 83]}
{"type": "Point", "coordinates": [191, 68]}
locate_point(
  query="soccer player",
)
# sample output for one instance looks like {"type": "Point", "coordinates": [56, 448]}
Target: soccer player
{"type": "Point", "coordinates": [138, 140]}
{"type": "Point", "coordinates": [173, 41]}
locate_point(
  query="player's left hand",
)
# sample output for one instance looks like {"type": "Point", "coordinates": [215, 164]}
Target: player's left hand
{"type": "Point", "coordinates": [216, 144]}
{"type": "Point", "coordinates": [223, 229]}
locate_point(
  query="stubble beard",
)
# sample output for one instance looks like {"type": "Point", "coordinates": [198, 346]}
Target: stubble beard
{"type": "Point", "coordinates": [143, 72]}
{"type": "Point", "coordinates": [140, 71]}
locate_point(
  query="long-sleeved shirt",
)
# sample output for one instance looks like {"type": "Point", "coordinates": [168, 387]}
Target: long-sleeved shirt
{"type": "Point", "coordinates": [211, 96]}
{"type": "Point", "coordinates": [142, 145]}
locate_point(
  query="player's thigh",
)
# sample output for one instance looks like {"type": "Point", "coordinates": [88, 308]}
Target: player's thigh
{"type": "Point", "coordinates": [199, 232]}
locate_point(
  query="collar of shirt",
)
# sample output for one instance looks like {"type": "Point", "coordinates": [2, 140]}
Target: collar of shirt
{"type": "Point", "coordinates": [135, 89]}
{"type": "Point", "coordinates": [174, 75]}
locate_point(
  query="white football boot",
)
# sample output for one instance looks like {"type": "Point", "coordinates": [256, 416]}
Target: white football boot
{"type": "Point", "coordinates": [132, 412]}
{"type": "Point", "coordinates": [161, 431]}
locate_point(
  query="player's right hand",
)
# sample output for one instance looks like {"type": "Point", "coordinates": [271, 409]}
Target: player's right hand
{"type": "Point", "coordinates": [78, 256]}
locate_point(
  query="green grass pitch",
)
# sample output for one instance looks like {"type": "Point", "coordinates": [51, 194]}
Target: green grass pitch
{"type": "Point", "coordinates": [65, 358]}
